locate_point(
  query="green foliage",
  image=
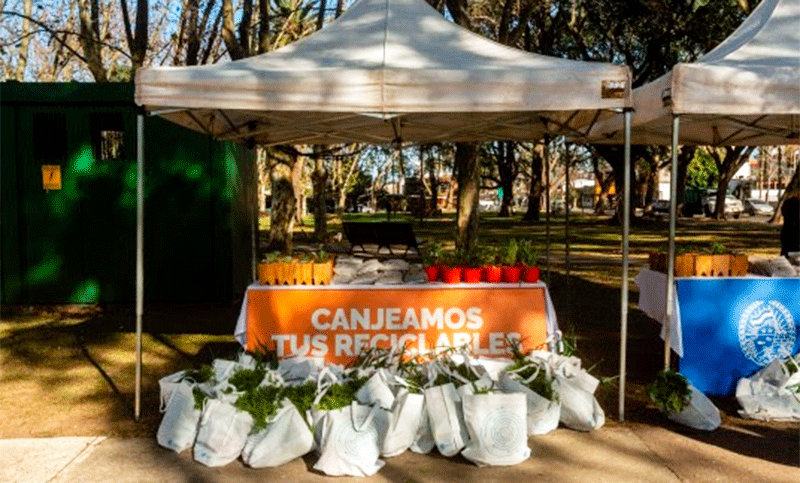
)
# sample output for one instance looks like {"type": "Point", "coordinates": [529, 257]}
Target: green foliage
{"type": "Point", "coordinates": [468, 257]}
{"type": "Point", "coordinates": [273, 257]}
{"type": "Point", "coordinates": [669, 392]}
{"type": "Point", "coordinates": [202, 374]}
{"type": "Point", "coordinates": [262, 403]}
{"type": "Point", "coordinates": [301, 396]}
{"type": "Point", "coordinates": [431, 253]}
{"type": "Point", "coordinates": [265, 357]}
{"type": "Point", "coordinates": [718, 249]}
{"type": "Point", "coordinates": [528, 253]}
{"type": "Point", "coordinates": [338, 396]}
{"type": "Point", "coordinates": [702, 171]}
{"type": "Point", "coordinates": [246, 380]}
{"type": "Point", "coordinates": [321, 256]}
{"type": "Point", "coordinates": [540, 384]}
{"type": "Point", "coordinates": [199, 397]}
{"type": "Point", "coordinates": [510, 251]}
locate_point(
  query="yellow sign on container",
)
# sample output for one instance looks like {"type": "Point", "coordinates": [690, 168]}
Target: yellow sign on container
{"type": "Point", "coordinates": [51, 176]}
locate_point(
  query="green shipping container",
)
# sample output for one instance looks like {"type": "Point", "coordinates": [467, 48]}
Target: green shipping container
{"type": "Point", "coordinates": [76, 243]}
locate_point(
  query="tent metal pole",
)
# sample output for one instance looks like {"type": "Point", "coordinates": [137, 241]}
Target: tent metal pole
{"type": "Point", "coordinates": [254, 227]}
{"type": "Point", "coordinates": [139, 260]}
{"type": "Point", "coordinates": [673, 215]}
{"type": "Point", "coordinates": [626, 229]}
{"type": "Point", "coordinates": [568, 160]}
{"type": "Point", "coordinates": [546, 154]}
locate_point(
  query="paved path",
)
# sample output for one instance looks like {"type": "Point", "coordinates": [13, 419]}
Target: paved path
{"type": "Point", "coordinates": [620, 453]}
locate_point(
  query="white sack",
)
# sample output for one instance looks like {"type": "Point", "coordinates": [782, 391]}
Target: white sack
{"type": "Point", "coordinates": [699, 413]}
{"type": "Point", "coordinates": [542, 414]}
{"type": "Point", "coordinates": [167, 384]}
{"type": "Point", "coordinates": [769, 394]}
{"type": "Point", "coordinates": [300, 368]}
{"type": "Point", "coordinates": [223, 433]}
{"type": "Point", "coordinates": [178, 428]}
{"type": "Point", "coordinates": [496, 425]}
{"type": "Point", "coordinates": [351, 441]}
{"type": "Point", "coordinates": [423, 439]}
{"type": "Point", "coordinates": [376, 390]}
{"type": "Point", "coordinates": [285, 438]}
{"type": "Point", "coordinates": [446, 419]}
{"type": "Point", "coordinates": [404, 423]}
{"type": "Point", "coordinates": [579, 408]}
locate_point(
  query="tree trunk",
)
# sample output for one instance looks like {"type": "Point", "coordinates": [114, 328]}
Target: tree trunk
{"type": "Point", "coordinates": [320, 179]}
{"type": "Point", "coordinates": [535, 187]}
{"type": "Point", "coordinates": [507, 169]}
{"type": "Point", "coordinates": [299, 191]}
{"type": "Point", "coordinates": [22, 61]}
{"type": "Point", "coordinates": [468, 178]}
{"type": "Point", "coordinates": [283, 207]}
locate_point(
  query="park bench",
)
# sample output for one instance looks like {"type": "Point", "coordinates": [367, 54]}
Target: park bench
{"type": "Point", "coordinates": [384, 234]}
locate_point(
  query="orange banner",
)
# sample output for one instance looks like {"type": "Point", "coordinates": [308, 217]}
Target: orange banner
{"type": "Point", "coordinates": [338, 324]}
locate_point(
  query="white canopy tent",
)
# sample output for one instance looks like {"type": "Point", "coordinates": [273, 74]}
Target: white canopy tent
{"type": "Point", "coordinates": [386, 70]}
{"type": "Point", "coordinates": [746, 91]}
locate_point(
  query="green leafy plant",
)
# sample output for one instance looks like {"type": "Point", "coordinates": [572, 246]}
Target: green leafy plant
{"type": "Point", "coordinates": [510, 252]}
{"type": "Point", "coordinates": [718, 249]}
{"type": "Point", "coordinates": [431, 253]}
{"type": "Point", "coordinates": [272, 257]}
{"type": "Point", "coordinates": [199, 397]}
{"type": "Point", "coordinates": [262, 403]}
{"type": "Point", "coordinates": [247, 379]}
{"type": "Point", "coordinates": [321, 256]}
{"type": "Point", "coordinates": [302, 396]}
{"type": "Point", "coordinates": [337, 396]}
{"type": "Point", "coordinates": [669, 391]}
{"type": "Point", "coordinates": [202, 374]}
{"type": "Point", "coordinates": [539, 383]}
{"type": "Point", "coordinates": [527, 253]}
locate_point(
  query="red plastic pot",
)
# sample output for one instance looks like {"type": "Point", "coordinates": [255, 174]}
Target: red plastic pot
{"type": "Point", "coordinates": [493, 274]}
{"type": "Point", "coordinates": [451, 275]}
{"type": "Point", "coordinates": [472, 275]}
{"type": "Point", "coordinates": [530, 274]}
{"type": "Point", "coordinates": [512, 274]}
{"type": "Point", "coordinates": [432, 272]}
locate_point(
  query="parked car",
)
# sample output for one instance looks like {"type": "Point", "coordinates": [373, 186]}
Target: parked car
{"type": "Point", "coordinates": [657, 208]}
{"type": "Point", "coordinates": [732, 205]}
{"type": "Point", "coordinates": [754, 207]}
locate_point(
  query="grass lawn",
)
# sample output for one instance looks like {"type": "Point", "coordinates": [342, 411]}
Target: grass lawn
{"type": "Point", "coordinates": [70, 373]}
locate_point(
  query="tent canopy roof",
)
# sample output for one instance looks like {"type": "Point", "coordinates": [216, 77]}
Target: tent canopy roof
{"type": "Point", "coordinates": [746, 91]}
{"type": "Point", "coordinates": [384, 70]}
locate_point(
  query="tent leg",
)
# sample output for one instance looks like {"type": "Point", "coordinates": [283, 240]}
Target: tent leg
{"type": "Point", "coordinates": [546, 154]}
{"type": "Point", "coordinates": [254, 230]}
{"type": "Point", "coordinates": [139, 260]}
{"type": "Point", "coordinates": [626, 228]}
{"type": "Point", "coordinates": [673, 215]}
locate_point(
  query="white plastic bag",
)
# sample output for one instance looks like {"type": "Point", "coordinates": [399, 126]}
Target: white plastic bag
{"type": "Point", "coordinates": [300, 368]}
{"type": "Point", "coordinates": [542, 414]}
{"type": "Point", "coordinates": [285, 438]}
{"type": "Point", "coordinates": [167, 384]}
{"type": "Point", "coordinates": [770, 394]}
{"type": "Point", "coordinates": [178, 428]}
{"type": "Point", "coordinates": [223, 369]}
{"type": "Point", "coordinates": [699, 413]}
{"type": "Point", "coordinates": [446, 419]}
{"type": "Point", "coordinates": [404, 423]}
{"type": "Point", "coordinates": [376, 390]}
{"type": "Point", "coordinates": [223, 433]}
{"type": "Point", "coordinates": [575, 387]}
{"type": "Point", "coordinates": [496, 425]}
{"type": "Point", "coordinates": [351, 441]}
{"type": "Point", "coordinates": [484, 383]}
{"type": "Point", "coordinates": [423, 439]}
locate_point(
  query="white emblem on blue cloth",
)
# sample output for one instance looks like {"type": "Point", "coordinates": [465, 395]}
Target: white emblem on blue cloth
{"type": "Point", "coordinates": [766, 331]}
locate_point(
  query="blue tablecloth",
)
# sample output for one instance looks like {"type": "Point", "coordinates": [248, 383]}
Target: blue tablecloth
{"type": "Point", "coordinates": [732, 327]}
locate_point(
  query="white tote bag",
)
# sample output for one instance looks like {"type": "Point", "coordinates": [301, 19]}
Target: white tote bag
{"type": "Point", "coordinates": [770, 394]}
{"type": "Point", "coordinates": [446, 419]}
{"type": "Point", "coordinates": [285, 438]}
{"type": "Point", "coordinates": [496, 426]}
{"type": "Point", "coordinates": [167, 384]}
{"type": "Point", "coordinates": [351, 441]}
{"type": "Point", "coordinates": [178, 428]}
{"type": "Point", "coordinates": [575, 387]}
{"type": "Point", "coordinates": [376, 390]}
{"type": "Point", "coordinates": [542, 414]}
{"type": "Point", "coordinates": [404, 422]}
{"type": "Point", "coordinates": [223, 433]}
{"type": "Point", "coordinates": [699, 413]}
{"type": "Point", "coordinates": [423, 439]}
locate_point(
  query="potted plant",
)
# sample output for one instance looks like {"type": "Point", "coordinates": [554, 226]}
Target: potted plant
{"type": "Point", "coordinates": [431, 256]}
{"type": "Point", "coordinates": [471, 262]}
{"type": "Point", "coordinates": [452, 271]}
{"type": "Point", "coordinates": [304, 269]}
{"type": "Point", "coordinates": [322, 268]}
{"type": "Point", "coordinates": [492, 270]}
{"type": "Point", "coordinates": [528, 256]}
{"type": "Point", "coordinates": [286, 270]}
{"type": "Point", "coordinates": [511, 271]}
{"type": "Point", "coordinates": [268, 269]}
